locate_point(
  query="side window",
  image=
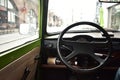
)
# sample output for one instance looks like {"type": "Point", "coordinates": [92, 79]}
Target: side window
{"type": "Point", "coordinates": [18, 23]}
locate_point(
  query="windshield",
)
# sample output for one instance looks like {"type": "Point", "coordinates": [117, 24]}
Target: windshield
{"type": "Point", "coordinates": [62, 13]}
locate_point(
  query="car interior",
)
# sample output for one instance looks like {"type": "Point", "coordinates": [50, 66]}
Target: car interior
{"type": "Point", "coordinates": [59, 39]}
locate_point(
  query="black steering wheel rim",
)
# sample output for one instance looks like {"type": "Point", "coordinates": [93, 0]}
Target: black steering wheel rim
{"type": "Point", "coordinates": [84, 70]}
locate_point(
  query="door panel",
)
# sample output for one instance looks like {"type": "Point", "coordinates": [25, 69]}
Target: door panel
{"type": "Point", "coordinates": [16, 69]}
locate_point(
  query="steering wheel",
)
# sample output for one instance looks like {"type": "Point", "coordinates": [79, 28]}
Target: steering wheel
{"type": "Point", "coordinates": [84, 48]}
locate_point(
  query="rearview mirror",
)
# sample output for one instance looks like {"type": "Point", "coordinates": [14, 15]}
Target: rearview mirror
{"type": "Point", "coordinates": [110, 1]}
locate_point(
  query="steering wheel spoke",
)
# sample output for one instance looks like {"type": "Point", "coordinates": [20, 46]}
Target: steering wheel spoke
{"type": "Point", "coordinates": [97, 58]}
{"type": "Point", "coordinates": [71, 55]}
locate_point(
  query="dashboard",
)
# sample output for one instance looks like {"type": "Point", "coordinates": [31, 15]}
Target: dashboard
{"type": "Point", "coordinates": [50, 46]}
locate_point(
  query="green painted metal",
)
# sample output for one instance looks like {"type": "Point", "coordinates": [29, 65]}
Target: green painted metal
{"type": "Point", "coordinates": [41, 17]}
{"type": "Point", "coordinates": [8, 58]}
{"type": "Point", "coordinates": [20, 51]}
